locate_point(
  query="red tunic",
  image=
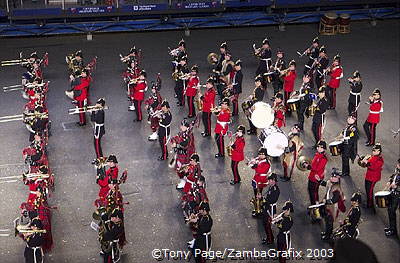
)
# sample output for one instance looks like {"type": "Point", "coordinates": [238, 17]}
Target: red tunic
{"type": "Point", "coordinates": [83, 86]}
{"type": "Point", "coordinates": [238, 149]}
{"type": "Point", "coordinates": [104, 189]}
{"type": "Point", "coordinates": [375, 164]}
{"type": "Point", "coordinates": [318, 167]}
{"type": "Point", "coordinates": [209, 100]}
{"type": "Point", "coordinates": [223, 118]}
{"type": "Point", "coordinates": [192, 86]}
{"type": "Point", "coordinates": [375, 109]}
{"type": "Point", "coordinates": [191, 178]}
{"type": "Point", "coordinates": [260, 177]}
{"type": "Point", "coordinates": [139, 90]}
{"type": "Point", "coordinates": [336, 74]}
{"type": "Point", "coordinates": [289, 80]}
{"type": "Point", "coordinates": [279, 115]}
{"type": "Point", "coordinates": [112, 172]}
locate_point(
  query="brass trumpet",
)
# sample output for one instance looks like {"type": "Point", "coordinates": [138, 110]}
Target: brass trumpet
{"type": "Point", "coordinates": [257, 51]}
{"type": "Point", "coordinates": [86, 109]}
{"type": "Point", "coordinates": [24, 229]}
{"type": "Point", "coordinates": [215, 109]}
{"type": "Point", "coordinates": [277, 218]}
{"type": "Point", "coordinates": [361, 159]}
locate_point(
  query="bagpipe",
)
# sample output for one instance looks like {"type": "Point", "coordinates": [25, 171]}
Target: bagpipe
{"type": "Point", "coordinates": [44, 61]}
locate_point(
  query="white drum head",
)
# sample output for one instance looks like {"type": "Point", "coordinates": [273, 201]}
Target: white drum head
{"type": "Point", "coordinates": [275, 143]}
{"type": "Point", "coordinates": [262, 115]}
{"type": "Point", "coordinates": [335, 143]}
{"type": "Point", "coordinates": [293, 100]}
{"type": "Point", "coordinates": [382, 193]}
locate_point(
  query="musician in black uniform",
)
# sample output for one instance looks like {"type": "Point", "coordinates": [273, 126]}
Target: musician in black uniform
{"type": "Point", "coordinates": [237, 86]}
{"type": "Point", "coordinates": [305, 101]}
{"type": "Point", "coordinates": [180, 53]}
{"type": "Point", "coordinates": [98, 118]}
{"type": "Point", "coordinates": [181, 81]}
{"type": "Point", "coordinates": [321, 66]}
{"type": "Point", "coordinates": [353, 216]}
{"type": "Point", "coordinates": [394, 187]}
{"type": "Point", "coordinates": [312, 53]}
{"type": "Point", "coordinates": [318, 121]}
{"type": "Point", "coordinates": [39, 123]}
{"type": "Point", "coordinates": [274, 74]}
{"type": "Point", "coordinates": [223, 48]}
{"type": "Point", "coordinates": [164, 130]}
{"type": "Point", "coordinates": [258, 95]}
{"type": "Point", "coordinates": [349, 146]}
{"type": "Point", "coordinates": [269, 207]}
{"type": "Point", "coordinates": [77, 63]}
{"type": "Point", "coordinates": [33, 251]}
{"type": "Point", "coordinates": [115, 235]}
{"type": "Point", "coordinates": [284, 225]}
{"type": "Point", "coordinates": [203, 237]}
{"type": "Point", "coordinates": [264, 55]}
{"type": "Point", "coordinates": [355, 92]}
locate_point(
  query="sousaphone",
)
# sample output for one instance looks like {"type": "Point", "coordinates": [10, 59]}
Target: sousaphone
{"type": "Point", "coordinates": [303, 162]}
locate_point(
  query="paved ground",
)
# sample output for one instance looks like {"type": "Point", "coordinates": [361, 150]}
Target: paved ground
{"type": "Point", "coordinates": [153, 219]}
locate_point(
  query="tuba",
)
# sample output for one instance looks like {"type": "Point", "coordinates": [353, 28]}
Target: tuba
{"type": "Point", "coordinates": [303, 162]}
{"type": "Point", "coordinates": [212, 58]}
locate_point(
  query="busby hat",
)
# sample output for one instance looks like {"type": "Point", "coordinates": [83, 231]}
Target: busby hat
{"type": "Point", "coordinates": [238, 62]}
{"type": "Point", "coordinates": [210, 80]}
{"type": "Point", "coordinates": [292, 63]}
{"type": "Point", "coordinates": [288, 206]}
{"type": "Point", "coordinates": [356, 74]}
{"type": "Point", "coordinates": [315, 40]}
{"type": "Point", "coordinates": [322, 49]}
{"type": "Point", "coordinates": [195, 68]}
{"type": "Point", "coordinates": [322, 144]}
{"type": "Point", "coordinates": [37, 223]}
{"type": "Point", "coordinates": [377, 146]}
{"type": "Point", "coordinates": [279, 96]}
{"type": "Point", "coordinates": [273, 176]}
{"type": "Point", "coordinates": [182, 43]}
{"type": "Point", "coordinates": [279, 50]}
{"type": "Point", "coordinates": [337, 57]}
{"type": "Point", "coordinates": [101, 101]}
{"type": "Point", "coordinates": [183, 58]}
{"type": "Point", "coordinates": [165, 104]}
{"type": "Point", "coordinates": [265, 41]}
{"type": "Point", "coordinates": [185, 122]}
{"type": "Point", "coordinates": [204, 206]}
{"type": "Point", "coordinates": [143, 73]}
{"type": "Point", "coordinates": [356, 197]}
{"type": "Point", "coordinates": [79, 53]}
{"type": "Point", "coordinates": [112, 158]}
{"type": "Point", "coordinates": [262, 151]}
{"type": "Point", "coordinates": [223, 45]}
{"type": "Point", "coordinates": [133, 50]}
{"type": "Point", "coordinates": [258, 78]}
{"type": "Point", "coordinates": [34, 55]}
{"type": "Point", "coordinates": [376, 91]}
{"type": "Point", "coordinates": [117, 213]}
{"type": "Point", "coordinates": [195, 157]}
{"type": "Point", "coordinates": [43, 169]}
{"type": "Point", "coordinates": [225, 101]}
{"type": "Point", "coordinates": [241, 128]}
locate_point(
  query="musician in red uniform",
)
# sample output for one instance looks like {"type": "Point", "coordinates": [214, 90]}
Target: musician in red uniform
{"type": "Point", "coordinates": [373, 174]}
{"type": "Point", "coordinates": [261, 168]}
{"type": "Point", "coordinates": [193, 173]}
{"type": "Point", "coordinates": [180, 144]}
{"type": "Point", "coordinates": [289, 78]}
{"type": "Point", "coordinates": [237, 153]}
{"type": "Point", "coordinates": [79, 93]}
{"type": "Point", "coordinates": [279, 111]}
{"type": "Point", "coordinates": [191, 90]}
{"type": "Point", "coordinates": [336, 73]}
{"type": "Point", "coordinates": [375, 109]}
{"type": "Point", "coordinates": [208, 102]}
{"type": "Point", "coordinates": [153, 104]}
{"type": "Point", "coordinates": [137, 94]}
{"type": "Point", "coordinates": [317, 173]}
{"type": "Point", "coordinates": [113, 169]}
{"type": "Point", "coordinates": [221, 128]}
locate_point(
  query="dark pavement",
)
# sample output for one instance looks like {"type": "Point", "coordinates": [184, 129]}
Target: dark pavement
{"type": "Point", "coordinates": [154, 218]}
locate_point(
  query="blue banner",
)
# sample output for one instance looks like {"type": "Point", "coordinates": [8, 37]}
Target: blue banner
{"type": "Point", "coordinates": [198, 5]}
{"type": "Point", "coordinates": [91, 10]}
{"type": "Point", "coordinates": [36, 12]}
{"type": "Point", "coordinates": [249, 3]}
{"type": "Point", "coordinates": [144, 8]}
{"type": "Point", "coordinates": [3, 12]}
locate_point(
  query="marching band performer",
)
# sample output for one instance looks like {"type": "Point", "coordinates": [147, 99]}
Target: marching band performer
{"type": "Point", "coordinates": [133, 56]}
{"type": "Point", "coordinates": [237, 153]}
{"type": "Point", "coordinates": [374, 173]}
{"type": "Point", "coordinates": [304, 102]}
{"type": "Point", "coordinates": [223, 49]}
{"type": "Point", "coordinates": [224, 77]}
{"type": "Point", "coordinates": [208, 100]}
{"type": "Point", "coordinates": [164, 130]}
{"type": "Point", "coordinates": [112, 171]}
{"type": "Point", "coordinates": [279, 111]}
{"type": "Point", "coordinates": [222, 126]}
{"type": "Point", "coordinates": [261, 167]}
{"type": "Point", "coordinates": [104, 180]}
{"type": "Point", "coordinates": [191, 90]}
{"type": "Point", "coordinates": [137, 94]}
{"type": "Point", "coordinates": [280, 65]}
{"type": "Point", "coordinates": [316, 176]}
{"type": "Point", "coordinates": [152, 105]}
{"type": "Point", "coordinates": [180, 144]}
{"type": "Point", "coordinates": [355, 92]}
{"type": "Point", "coordinates": [312, 52]}
{"type": "Point", "coordinates": [98, 118]}
{"type": "Point", "coordinates": [394, 186]}
{"type": "Point", "coordinates": [353, 216]}
{"type": "Point", "coordinates": [285, 223]}
{"type": "Point", "coordinates": [76, 63]}
{"type": "Point", "coordinates": [264, 54]}
{"type": "Point", "coordinates": [322, 64]}
{"type": "Point", "coordinates": [375, 109]}
{"type": "Point", "coordinates": [192, 173]}
{"type": "Point", "coordinates": [180, 76]}
{"type": "Point", "coordinates": [236, 86]}
{"type": "Point", "coordinates": [293, 151]}
{"type": "Point", "coordinates": [336, 73]}
{"type": "Point", "coordinates": [258, 95]}
{"type": "Point", "coordinates": [269, 207]}
{"type": "Point", "coordinates": [318, 121]}
{"type": "Point", "coordinates": [289, 78]}
{"type": "Point", "coordinates": [34, 241]}
{"type": "Point", "coordinates": [39, 124]}
{"type": "Point", "coordinates": [349, 146]}
{"type": "Point", "coordinates": [113, 236]}
{"type": "Point", "coordinates": [334, 202]}
{"type": "Point", "coordinates": [79, 92]}
{"type": "Point", "coordinates": [178, 53]}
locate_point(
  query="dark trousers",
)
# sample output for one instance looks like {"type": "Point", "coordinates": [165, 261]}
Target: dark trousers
{"type": "Point", "coordinates": [82, 115]}
{"type": "Point", "coordinates": [300, 115]}
{"type": "Point", "coordinates": [351, 107]}
{"type": "Point", "coordinates": [286, 96]}
{"type": "Point", "coordinates": [219, 140]}
{"type": "Point", "coordinates": [369, 189]}
{"type": "Point", "coordinates": [235, 171]}
{"type": "Point", "coordinates": [163, 145]}
{"type": "Point", "coordinates": [370, 131]}
{"type": "Point", "coordinates": [345, 164]}
{"type": "Point", "coordinates": [319, 81]}
{"type": "Point", "coordinates": [281, 246]}
{"type": "Point", "coordinates": [267, 227]}
{"type": "Point", "coordinates": [138, 109]}
{"type": "Point", "coordinates": [252, 128]}
{"type": "Point", "coordinates": [331, 96]}
{"type": "Point", "coordinates": [392, 211]}
{"type": "Point", "coordinates": [235, 105]}
{"type": "Point", "coordinates": [317, 130]}
{"type": "Point", "coordinates": [97, 147]}
{"type": "Point", "coordinates": [328, 224]}
{"type": "Point", "coordinates": [179, 95]}
{"type": "Point", "coordinates": [313, 192]}
{"type": "Point", "coordinates": [206, 117]}
{"type": "Point", "coordinates": [277, 85]}
{"type": "Point", "coordinates": [190, 102]}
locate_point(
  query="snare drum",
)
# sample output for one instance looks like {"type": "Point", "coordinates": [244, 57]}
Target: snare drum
{"type": "Point", "coordinates": [328, 24]}
{"type": "Point", "coordinates": [330, 19]}
{"type": "Point", "coordinates": [344, 23]}
{"type": "Point", "coordinates": [382, 199]}
{"type": "Point", "coordinates": [335, 148]}
{"type": "Point", "coordinates": [293, 103]}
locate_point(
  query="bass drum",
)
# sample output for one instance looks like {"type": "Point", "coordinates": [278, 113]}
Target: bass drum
{"type": "Point", "coordinates": [262, 115]}
{"type": "Point", "coordinates": [274, 140]}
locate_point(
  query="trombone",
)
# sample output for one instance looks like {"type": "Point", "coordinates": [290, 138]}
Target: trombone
{"type": "Point", "coordinates": [12, 88]}
{"type": "Point", "coordinates": [24, 117]}
{"type": "Point", "coordinates": [86, 109]}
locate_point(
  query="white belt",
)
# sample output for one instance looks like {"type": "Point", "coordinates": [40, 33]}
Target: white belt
{"type": "Point", "coordinates": [207, 234]}
{"type": "Point", "coordinates": [375, 112]}
{"type": "Point", "coordinates": [33, 192]}
{"type": "Point", "coordinates": [34, 253]}
{"type": "Point", "coordinates": [288, 240]}
{"type": "Point", "coordinates": [164, 126]}
{"type": "Point", "coordinates": [355, 94]}
{"type": "Point", "coordinates": [223, 123]}
{"type": "Point", "coordinates": [266, 59]}
{"type": "Point", "coordinates": [346, 138]}
{"type": "Point", "coordinates": [271, 210]}
{"type": "Point", "coordinates": [262, 174]}
{"type": "Point", "coordinates": [140, 90]}
{"type": "Point", "coordinates": [98, 124]}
